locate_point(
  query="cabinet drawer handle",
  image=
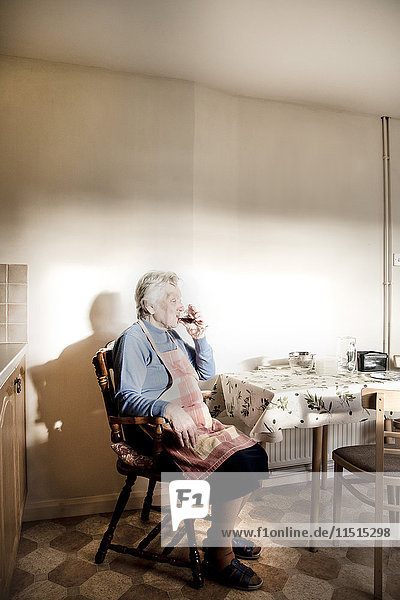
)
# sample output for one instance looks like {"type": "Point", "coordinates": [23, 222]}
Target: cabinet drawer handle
{"type": "Point", "coordinates": [18, 385]}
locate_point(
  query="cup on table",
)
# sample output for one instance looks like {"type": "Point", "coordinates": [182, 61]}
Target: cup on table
{"type": "Point", "coordinates": [326, 365]}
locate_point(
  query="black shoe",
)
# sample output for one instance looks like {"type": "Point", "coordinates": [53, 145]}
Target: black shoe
{"type": "Point", "coordinates": [245, 549]}
{"type": "Point", "coordinates": [236, 575]}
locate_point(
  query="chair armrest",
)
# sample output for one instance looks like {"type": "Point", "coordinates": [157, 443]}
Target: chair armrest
{"type": "Point", "coordinates": [156, 431]}
{"type": "Point", "coordinates": [136, 420]}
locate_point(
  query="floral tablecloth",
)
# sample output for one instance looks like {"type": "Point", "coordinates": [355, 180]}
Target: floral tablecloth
{"type": "Point", "coordinates": [273, 399]}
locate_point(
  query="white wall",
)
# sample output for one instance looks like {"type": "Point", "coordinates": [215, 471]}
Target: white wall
{"type": "Point", "coordinates": [288, 225]}
{"type": "Point", "coordinates": [271, 213]}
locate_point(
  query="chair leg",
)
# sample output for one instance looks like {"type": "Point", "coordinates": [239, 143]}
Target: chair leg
{"type": "Point", "coordinates": [391, 494]}
{"type": "Point", "coordinates": [378, 572]}
{"type": "Point", "coordinates": [148, 500]}
{"type": "Point", "coordinates": [397, 503]}
{"type": "Point", "coordinates": [119, 508]}
{"type": "Point", "coordinates": [198, 579]}
{"type": "Point", "coordinates": [337, 493]}
{"type": "Point", "coordinates": [324, 475]}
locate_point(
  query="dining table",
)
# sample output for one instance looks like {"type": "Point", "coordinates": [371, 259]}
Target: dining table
{"type": "Point", "coordinates": [271, 399]}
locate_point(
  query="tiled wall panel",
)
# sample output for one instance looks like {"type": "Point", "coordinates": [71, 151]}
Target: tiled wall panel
{"type": "Point", "coordinates": [13, 303]}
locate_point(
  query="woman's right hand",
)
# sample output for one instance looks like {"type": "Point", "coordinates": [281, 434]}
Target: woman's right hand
{"type": "Point", "coordinates": [182, 424]}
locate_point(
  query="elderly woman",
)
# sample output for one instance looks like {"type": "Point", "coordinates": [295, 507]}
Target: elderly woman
{"type": "Point", "coordinates": [156, 374]}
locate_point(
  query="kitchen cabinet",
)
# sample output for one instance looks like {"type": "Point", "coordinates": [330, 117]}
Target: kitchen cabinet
{"type": "Point", "coordinates": [12, 464]}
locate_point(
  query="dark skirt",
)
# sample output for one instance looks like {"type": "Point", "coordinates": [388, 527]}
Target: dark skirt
{"type": "Point", "coordinates": [249, 460]}
{"type": "Point", "coordinates": [248, 464]}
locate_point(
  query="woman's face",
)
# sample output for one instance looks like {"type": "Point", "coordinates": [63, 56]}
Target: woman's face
{"type": "Point", "coordinates": [166, 311]}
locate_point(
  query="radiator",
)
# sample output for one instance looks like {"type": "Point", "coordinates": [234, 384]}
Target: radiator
{"type": "Point", "coordinates": [296, 446]}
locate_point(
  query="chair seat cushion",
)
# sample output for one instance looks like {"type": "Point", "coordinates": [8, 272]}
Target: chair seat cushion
{"type": "Point", "coordinates": [363, 457]}
{"type": "Point", "coordinates": [132, 457]}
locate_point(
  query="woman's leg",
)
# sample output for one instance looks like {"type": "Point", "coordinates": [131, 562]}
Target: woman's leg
{"type": "Point", "coordinates": [224, 515]}
{"type": "Point", "coordinates": [246, 465]}
{"type": "Point", "coordinates": [220, 555]}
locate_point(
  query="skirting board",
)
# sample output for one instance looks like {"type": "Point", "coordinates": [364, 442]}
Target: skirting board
{"type": "Point", "coordinates": [73, 507]}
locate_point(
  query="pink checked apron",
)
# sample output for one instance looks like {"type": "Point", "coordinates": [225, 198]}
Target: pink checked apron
{"type": "Point", "coordinates": [216, 442]}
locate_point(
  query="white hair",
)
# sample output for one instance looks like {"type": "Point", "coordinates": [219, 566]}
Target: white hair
{"type": "Point", "coordinates": [150, 288]}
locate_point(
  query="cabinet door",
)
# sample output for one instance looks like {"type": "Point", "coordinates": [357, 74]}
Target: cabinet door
{"type": "Point", "coordinates": [20, 444]}
{"type": "Point", "coordinates": [9, 489]}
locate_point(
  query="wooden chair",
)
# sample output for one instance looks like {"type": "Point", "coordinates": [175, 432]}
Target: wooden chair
{"type": "Point", "coordinates": [380, 457]}
{"type": "Point", "coordinates": [143, 466]}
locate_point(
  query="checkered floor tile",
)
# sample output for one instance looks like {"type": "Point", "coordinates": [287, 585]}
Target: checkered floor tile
{"type": "Point", "coordinates": [56, 560]}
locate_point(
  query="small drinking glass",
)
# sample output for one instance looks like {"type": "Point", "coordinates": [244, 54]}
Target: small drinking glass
{"type": "Point", "coordinates": [186, 317]}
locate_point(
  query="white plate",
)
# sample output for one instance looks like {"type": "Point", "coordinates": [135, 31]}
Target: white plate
{"type": "Point", "coordinates": [271, 367]}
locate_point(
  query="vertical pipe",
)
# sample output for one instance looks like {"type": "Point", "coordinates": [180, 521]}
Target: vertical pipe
{"type": "Point", "coordinates": [387, 237]}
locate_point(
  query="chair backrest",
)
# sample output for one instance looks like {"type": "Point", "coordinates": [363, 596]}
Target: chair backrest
{"type": "Point", "coordinates": [103, 365]}
{"type": "Point", "coordinates": [382, 400]}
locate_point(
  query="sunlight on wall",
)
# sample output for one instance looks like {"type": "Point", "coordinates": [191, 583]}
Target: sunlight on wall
{"type": "Point", "coordinates": [251, 314]}
{"type": "Point", "coordinates": [289, 284]}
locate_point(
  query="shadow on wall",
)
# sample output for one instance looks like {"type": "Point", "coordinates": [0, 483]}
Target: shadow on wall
{"type": "Point", "coordinates": [76, 460]}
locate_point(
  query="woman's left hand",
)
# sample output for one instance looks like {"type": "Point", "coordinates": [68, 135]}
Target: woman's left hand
{"type": "Point", "coordinates": [198, 328]}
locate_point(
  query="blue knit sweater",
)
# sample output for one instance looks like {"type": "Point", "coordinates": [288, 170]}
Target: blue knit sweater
{"type": "Point", "coordinates": [141, 378]}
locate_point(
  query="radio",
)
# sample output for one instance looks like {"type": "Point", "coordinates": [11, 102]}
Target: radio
{"type": "Point", "coordinates": [369, 360]}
